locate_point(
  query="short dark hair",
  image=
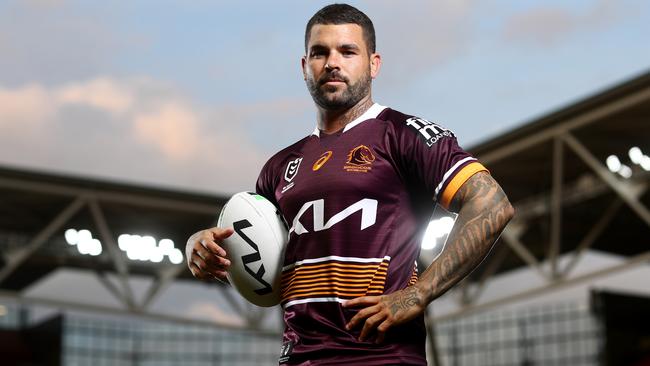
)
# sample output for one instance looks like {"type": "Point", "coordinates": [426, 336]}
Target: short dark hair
{"type": "Point", "coordinates": [343, 14]}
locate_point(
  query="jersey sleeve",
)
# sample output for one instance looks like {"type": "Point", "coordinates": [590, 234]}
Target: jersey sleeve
{"type": "Point", "coordinates": [265, 185]}
{"type": "Point", "coordinates": [429, 156]}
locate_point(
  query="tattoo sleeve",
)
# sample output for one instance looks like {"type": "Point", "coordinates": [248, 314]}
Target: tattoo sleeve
{"type": "Point", "coordinates": [484, 213]}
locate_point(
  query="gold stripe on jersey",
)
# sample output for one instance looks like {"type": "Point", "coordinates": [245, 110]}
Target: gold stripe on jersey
{"type": "Point", "coordinates": [334, 279]}
{"type": "Point", "coordinates": [461, 177]}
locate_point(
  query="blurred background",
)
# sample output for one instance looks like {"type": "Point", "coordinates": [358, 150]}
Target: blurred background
{"type": "Point", "coordinates": [125, 126]}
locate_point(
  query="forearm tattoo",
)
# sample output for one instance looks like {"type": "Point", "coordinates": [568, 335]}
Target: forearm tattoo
{"type": "Point", "coordinates": [407, 299]}
{"type": "Point", "coordinates": [484, 214]}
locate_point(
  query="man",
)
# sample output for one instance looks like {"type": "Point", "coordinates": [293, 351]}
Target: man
{"type": "Point", "coordinates": [358, 194]}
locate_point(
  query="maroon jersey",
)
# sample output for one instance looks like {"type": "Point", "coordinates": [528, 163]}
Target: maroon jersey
{"type": "Point", "coordinates": [357, 203]}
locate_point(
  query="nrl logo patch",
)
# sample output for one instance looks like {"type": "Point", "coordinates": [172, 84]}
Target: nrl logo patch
{"type": "Point", "coordinates": [292, 170]}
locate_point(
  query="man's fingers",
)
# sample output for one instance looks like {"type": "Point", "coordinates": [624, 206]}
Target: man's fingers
{"type": "Point", "coordinates": [371, 324]}
{"type": "Point", "coordinates": [213, 247]}
{"type": "Point", "coordinates": [221, 276]}
{"type": "Point", "coordinates": [361, 315]}
{"type": "Point", "coordinates": [220, 233]}
{"type": "Point", "coordinates": [202, 272]}
{"type": "Point", "coordinates": [212, 259]}
{"type": "Point", "coordinates": [381, 331]}
{"type": "Point", "coordinates": [197, 271]}
{"type": "Point", "coordinates": [364, 300]}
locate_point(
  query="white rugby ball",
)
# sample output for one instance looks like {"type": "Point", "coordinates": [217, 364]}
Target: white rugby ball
{"type": "Point", "coordinates": [256, 248]}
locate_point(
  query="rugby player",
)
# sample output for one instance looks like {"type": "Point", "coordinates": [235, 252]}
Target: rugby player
{"type": "Point", "coordinates": [358, 194]}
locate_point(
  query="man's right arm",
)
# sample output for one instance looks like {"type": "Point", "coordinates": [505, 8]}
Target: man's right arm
{"type": "Point", "coordinates": [206, 258]}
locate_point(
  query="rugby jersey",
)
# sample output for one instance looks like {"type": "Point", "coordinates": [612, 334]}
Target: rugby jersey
{"type": "Point", "coordinates": [357, 203]}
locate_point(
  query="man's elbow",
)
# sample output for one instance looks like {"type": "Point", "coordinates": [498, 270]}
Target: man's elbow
{"type": "Point", "coordinates": [508, 211]}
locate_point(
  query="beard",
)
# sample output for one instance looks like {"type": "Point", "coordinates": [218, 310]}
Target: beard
{"type": "Point", "coordinates": [330, 98]}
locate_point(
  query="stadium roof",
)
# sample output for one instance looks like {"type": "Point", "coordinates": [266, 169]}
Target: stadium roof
{"type": "Point", "coordinates": [567, 196]}
{"type": "Point", "coordinates": [553, 169]}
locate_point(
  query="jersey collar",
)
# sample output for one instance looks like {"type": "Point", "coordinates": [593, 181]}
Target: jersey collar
{"type": "Point", "coordinates": [371, 113]}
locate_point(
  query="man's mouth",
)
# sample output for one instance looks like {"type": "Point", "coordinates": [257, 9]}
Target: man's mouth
{"type": "Point", "coordinates": [334, 79]}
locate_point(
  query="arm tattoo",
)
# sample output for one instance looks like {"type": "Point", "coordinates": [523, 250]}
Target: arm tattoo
{"type": "Point", "coordinates": [408, 299]}
{"type": "Point", "coordinates": [484, 213]}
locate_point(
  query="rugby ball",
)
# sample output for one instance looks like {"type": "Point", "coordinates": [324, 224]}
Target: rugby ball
{"type": "Point", "coordinates": [256, 248]}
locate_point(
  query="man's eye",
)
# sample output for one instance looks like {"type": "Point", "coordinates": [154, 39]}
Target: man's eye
{"type": "Point", "coordinates": [317, 53]}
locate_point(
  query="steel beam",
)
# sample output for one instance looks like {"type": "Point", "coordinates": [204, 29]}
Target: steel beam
{"type": "Point", "coordinates": [518, 247]}
{"type": "Point", "coordinates": [15, 259]}
{"type": "Point", "coordinates": [556, 207]}
{"type": "Point", "coordinates": [581, 189]}
{"type": "Point", "coordinates": [101, 276]}
{"type": "Point", "coordinates": [622, 188]}
{"type": "Point", "coordinates": [109, 196]}
{"type": "Point", "coordinates": [165, 278]}
{"type": "Point", "coordinates": [584, 119]}
{"type": "Point", "coordinates": [592, 235]}
{"type": "Point", "coordinates": [121, 267]}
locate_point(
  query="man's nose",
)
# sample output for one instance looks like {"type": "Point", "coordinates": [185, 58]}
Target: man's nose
{"type": "Point", "coordinates": [333, 61]}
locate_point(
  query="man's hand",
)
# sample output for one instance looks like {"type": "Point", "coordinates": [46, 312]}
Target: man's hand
{"type": "Point", "coordinates": [383, 312]}
{"type": "Point", "coordinates": [205, 256]}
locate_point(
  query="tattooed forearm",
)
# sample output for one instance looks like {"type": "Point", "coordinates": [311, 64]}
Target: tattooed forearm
{"type": "Point", "coordinates": [484, 213]}
{"type": "Point", "coordinates": [409, 298]}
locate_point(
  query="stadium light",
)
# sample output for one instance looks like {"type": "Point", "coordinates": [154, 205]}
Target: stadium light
{"type": "Point", "coordinates": [625, 171]}
{"type": "Point", "coordinates": [435, 230]}
{"type": "Point", "coordinates": [136, 247]}
{"type": "Point", "coordinates": [144, 248]}
{"type": "Point", "coordinates": [613, 164]}
{"type": "Point", "coordinates": [636, 155]}
{"type": "Point", "coordinates": [84, 241]}
{"type": "Point", "coordinates": [645, 163]}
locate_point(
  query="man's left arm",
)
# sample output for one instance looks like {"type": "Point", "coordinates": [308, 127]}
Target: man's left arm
{"type": "Point", "coordinates": [483, 212]}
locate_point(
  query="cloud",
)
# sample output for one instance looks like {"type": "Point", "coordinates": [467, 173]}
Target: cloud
{"type": "Point", "coordinates": [25, 107]}
{"type": "Point", "coordinates": [137, 130]}
{"type": "Point", "coordinates": [102, 93]}
{"type": "Point", "coordinates": [173, 128]}
{"type": "Point", "coordinates": [547, 25]}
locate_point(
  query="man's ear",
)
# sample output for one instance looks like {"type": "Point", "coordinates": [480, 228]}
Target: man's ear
{"type": "Point", "coordinates": [303, 64]}
{"type": "Point", "coordinates": [375, 64]}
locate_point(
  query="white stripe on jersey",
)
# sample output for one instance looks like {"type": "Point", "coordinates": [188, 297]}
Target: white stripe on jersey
{"type": "Point", "coordinates": [371, 113]}
{"type": "Point", "coordinates": [336, 258]}
{"type": "Point", "coordinates": [315, 299]}
{"type": "Point", "coordinates": [450, 172]}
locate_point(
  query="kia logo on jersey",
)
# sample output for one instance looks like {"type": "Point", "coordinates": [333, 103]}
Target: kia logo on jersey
{"type": "Point", "coordinates": [292, 169]}
{"type": "Point", "coordinates": [367, 206]}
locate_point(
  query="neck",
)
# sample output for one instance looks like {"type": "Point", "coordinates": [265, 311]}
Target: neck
{"type": "Point", "coordinates": [330, 121]}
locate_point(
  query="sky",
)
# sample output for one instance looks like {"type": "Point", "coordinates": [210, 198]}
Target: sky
{"type": "Point", "coordinates": [197, 95]}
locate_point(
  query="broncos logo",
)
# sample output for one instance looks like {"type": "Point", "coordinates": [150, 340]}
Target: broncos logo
{"type": "Point", "coordinates": [361, 155]}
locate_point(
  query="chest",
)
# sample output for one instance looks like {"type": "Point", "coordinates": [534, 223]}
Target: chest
{"type": "Point", "coordinates": [334, 173]}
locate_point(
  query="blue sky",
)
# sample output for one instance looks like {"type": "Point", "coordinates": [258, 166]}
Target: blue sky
{"type": "Point", "coordinates": [196, 95]}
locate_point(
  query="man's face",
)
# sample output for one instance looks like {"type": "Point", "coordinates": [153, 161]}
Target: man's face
{"type": "Point", "coordinates": [337, 68]}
